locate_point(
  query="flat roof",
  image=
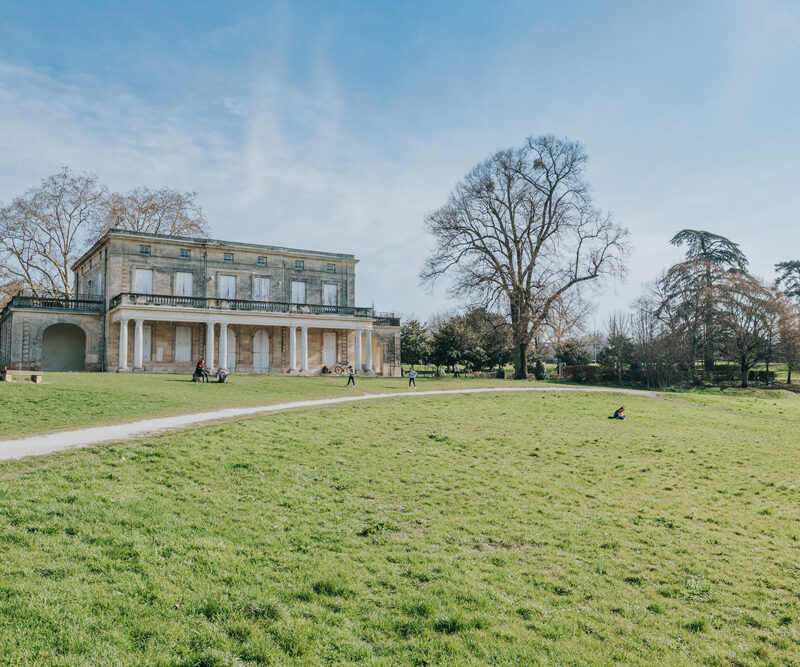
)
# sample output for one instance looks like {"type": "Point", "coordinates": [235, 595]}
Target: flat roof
{"type": "Point", "coordinates": [190, 240]}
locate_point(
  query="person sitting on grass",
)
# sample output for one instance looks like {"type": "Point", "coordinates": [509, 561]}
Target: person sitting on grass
{"type": "Point", "coordinates": [619, 413]}
{"type": "Point", "coordinates": [222, 376]}
{"type": "Point", "coordinates": [412, 378]}
{"type": "Point", "coordinates": [200, 371]}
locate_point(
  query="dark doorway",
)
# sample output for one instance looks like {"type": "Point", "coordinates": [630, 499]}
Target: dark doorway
{"type": "Point", "coordinates": [63, 348]}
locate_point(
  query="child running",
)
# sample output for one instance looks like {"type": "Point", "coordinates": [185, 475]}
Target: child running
{"type": "Point", "coordinates": [351, 376]}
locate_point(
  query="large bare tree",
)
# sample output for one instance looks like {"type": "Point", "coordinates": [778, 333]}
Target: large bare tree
{"type": "Point", "coordinates": [520, 231]}
{"type": "Point", "coordinates": [745, 310]}
{"type": "Point", "coordinates": [164, 211]}
{"type": "Point", "coordinates": [42, 232]}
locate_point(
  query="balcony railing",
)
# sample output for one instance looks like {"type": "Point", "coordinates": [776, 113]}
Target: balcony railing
{"type": "Point", "coordinates": [133, 299]}
{"type": "Point", "coordinates": [86, 303]}
{"type": "Point", "coordinates": [386, 320]}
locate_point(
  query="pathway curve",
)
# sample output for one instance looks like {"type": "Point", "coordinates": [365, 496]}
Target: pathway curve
{"type": "Point", "coordinates": [36, 445]}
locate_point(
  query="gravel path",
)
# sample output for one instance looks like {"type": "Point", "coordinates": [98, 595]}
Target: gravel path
{"type": "Point", "coordinates": [36, 445]}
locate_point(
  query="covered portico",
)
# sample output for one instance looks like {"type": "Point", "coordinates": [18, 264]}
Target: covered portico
{"type": "Point", "coordinates": [251, 342]}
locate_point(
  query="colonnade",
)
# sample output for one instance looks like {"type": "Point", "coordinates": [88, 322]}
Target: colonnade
{"type": "Point", "coordinates": [138, 346]}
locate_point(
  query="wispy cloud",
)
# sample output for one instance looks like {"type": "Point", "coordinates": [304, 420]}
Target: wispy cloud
{"type": "Point", "coordinates": [293, 130]}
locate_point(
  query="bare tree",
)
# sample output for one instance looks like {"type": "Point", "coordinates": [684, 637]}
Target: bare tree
{"type": "Point", "coordinates": [745, 311]}
{"type": "Point", "coordinates": [42, 232]}
{"type": "Point", "coordinates": [789, 336]}
{"type": "Point", "coordinates": [164, 211]}
{"type": "Point", "coordinates": [619, 348]}
{"type": "Point", "coordinates": [567, 318]}
{"type": "Point", "coordinates": [8, 288]}
{"type": "Point", "coordinates": [657, 349]}
{"type": "Point", "coordinates": [520, 231]}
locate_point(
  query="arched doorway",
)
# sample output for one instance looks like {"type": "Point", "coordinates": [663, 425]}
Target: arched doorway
{"type": "Point", "coordinates": [63, 348]}
{"type": "Point", "coordinates": [231, 351]}
{"type": "Point", "coordinates": [261, 352]}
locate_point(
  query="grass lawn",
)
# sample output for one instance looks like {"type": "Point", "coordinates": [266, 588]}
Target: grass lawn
{"type": "Point", "coordinates": [70, 400]}
{"type": "Point", "coordinates": [506, 529]}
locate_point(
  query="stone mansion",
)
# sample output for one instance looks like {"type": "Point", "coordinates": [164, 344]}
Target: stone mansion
{"type": "Point", "coordinates": [157, 303]}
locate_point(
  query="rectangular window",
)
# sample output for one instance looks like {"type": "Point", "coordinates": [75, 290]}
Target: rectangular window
{"type": "Point", "coordinates": [262, 261]}
{"type": "Point", "coordinates": [186, 253]}
{"type": "Point", "coordinates": [227, 257]}
{"type": "Point", "coordinates": [299, 265]}
{"type": "Point", "coordinates": [331, 268]}
{"type": "Point", "coordinates": [298, 292]}
{"type": "Point", "coordinates": [227, 287]}
{"type": "Point", "coordinates": [183, 344]}
{"type": "Point", "coordinates": [144, 250]}
{"type": "Point", "coordinates": [143, 281]}
{"type": "Point", "coordinates": [260, 289]}
{"type": "Point", "coordinates": [183, 284]}
{"type": "Point", "coordinates": [329, 295]}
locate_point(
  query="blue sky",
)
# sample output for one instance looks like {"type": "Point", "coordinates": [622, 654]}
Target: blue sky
{"type": "Point", "coordinates": [339, 125]}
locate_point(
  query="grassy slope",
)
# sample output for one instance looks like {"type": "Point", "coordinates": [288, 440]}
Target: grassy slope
{"type": "Point", "coordinates": [70, 400]}
{"type": "Point", "coordinates": [505, 528]}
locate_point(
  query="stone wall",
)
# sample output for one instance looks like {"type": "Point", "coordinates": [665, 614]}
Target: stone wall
{"type": "Point", "coordinates": [389, 338]}
{"type": "Point", "coordinates": [23, 330]}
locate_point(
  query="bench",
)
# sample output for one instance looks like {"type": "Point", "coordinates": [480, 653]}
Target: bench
{"type": "Point", "coordinates": [8, 376]}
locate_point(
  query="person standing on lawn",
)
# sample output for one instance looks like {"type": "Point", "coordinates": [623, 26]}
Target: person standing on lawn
{"type": "Point", "coordinates": [412, 378]}
{"type": "Point", "coordinates": [456, 370]}
{"type": "Point", "coordinates": [351, 376]}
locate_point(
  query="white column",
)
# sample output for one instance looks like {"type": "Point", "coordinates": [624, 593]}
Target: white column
{"type": "Point", "coordinates": [369, 350]}
{"type": "Point", "coordinates": [304, 349]}
{"type": "Point", "coordinates": [138, 344]}
{"type": "Point", "coordinates": [210, 345]}
{"type": "Point", "coordinates": [358, 350]}
{"type": "Point", "coordinates": [292, 349]}
{"type": "Point", "coordinates": [123, 345]}
{"type": "Point", "coordinates": [223, 346]}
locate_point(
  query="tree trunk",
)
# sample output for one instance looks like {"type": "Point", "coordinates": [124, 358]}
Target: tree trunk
{"type": "Point", "coordinates": [789, 376]}
{"type": "Point", "coordinates": [744, 374]}
{"type": "Point", "coordinates": [521, 361]}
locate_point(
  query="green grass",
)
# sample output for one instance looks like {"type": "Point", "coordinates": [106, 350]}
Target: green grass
{"type": "Point", "coordinates": [70, 400]}
{"type": "Point", "coordinates": [505, 529]}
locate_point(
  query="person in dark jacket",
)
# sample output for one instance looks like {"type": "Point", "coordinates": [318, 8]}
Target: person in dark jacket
{"type": "Point", "coordinates": [200, 371]}
{"type": "Point", "coordinates": [619, 413]}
